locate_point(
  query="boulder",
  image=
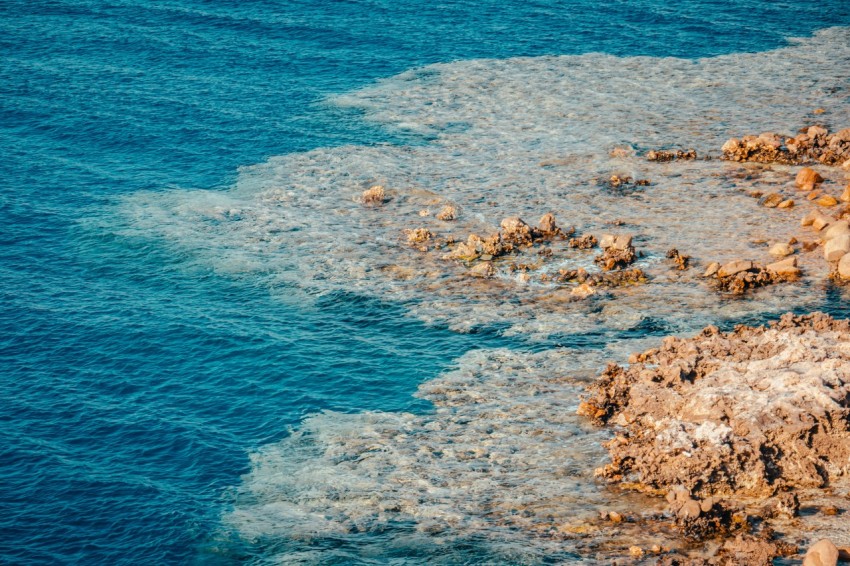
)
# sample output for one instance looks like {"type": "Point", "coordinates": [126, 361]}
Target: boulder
{"type": "Point", "coordinates": [845, 196]}
{"type": "Point", "coordinates": [844, 266]}
{"type": "Point", "coordinates": [712, 269]}
{"type": "Point", "coordinates": [821, 221]}
{"type": "Point", "coordinates": [836, 247]}
{"type": "Point", "coordinates": [787, 203]}
{"type": "Point", "coordinates": [734, 267]}
{"type": "Point", "coordinates": [836, 229]}
{"type": "Point", "coordinates": [822, 553]}
{"type": "Point", "coordinates": [808, 176]}
{"type": "Point", "coordinates": [622, 242]}
{"type": "Point", "coordinates": [772, 200]}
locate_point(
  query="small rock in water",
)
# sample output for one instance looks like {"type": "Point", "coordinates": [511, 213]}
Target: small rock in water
{"type": "Point", "coordinates": [583, 291]}
{"type": "Point", "coordinates": [418, 235]}
{"type": "Point", "coordinates": [374, 195]}
{"type": "Point", "coordinates": [808, 176]}
{"type": "Point", "coordinates": [827, 200]}
{"type": "Point", "coordinates": [822, 553]}
{"type": "Point", "coordinates": [772, 200]}
{"type": "Point", "coordinates": [447, 213]}
{"type": "Point", "coordinates": [781, 250]}
{"type": "Point", "coordinates": [484, 269]}
{"type": "Point", "coordinates": [787, 203]}
{"type": "Point", "coordinates": [845, 196]}
{"type": "Point", "coordinates": [836, 229]}
{"type": "Point", "coordinates": [516, 230]}
{"type": "Point", "coordinates": [844, 267]}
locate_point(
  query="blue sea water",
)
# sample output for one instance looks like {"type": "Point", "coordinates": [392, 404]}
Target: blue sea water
{"type": "Point", "coordinates": [135, 379]}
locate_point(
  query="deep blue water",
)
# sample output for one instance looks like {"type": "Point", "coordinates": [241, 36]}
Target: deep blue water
{"type": "Point", "coordinates": [135, 381]}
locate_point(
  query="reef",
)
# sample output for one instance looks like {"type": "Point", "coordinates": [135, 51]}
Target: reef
{"type": "Point", "coordinates": [724, 421]}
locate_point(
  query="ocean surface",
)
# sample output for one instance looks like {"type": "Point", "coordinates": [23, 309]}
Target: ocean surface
{"type": "Point", "coordinates": [208, 354]}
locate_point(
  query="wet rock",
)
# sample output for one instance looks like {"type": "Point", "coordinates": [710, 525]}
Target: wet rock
{"type": "Point", "coordinates": [418, 235]}
{"type": "Point", "coordinates": [844, 267]}
{"type": "Point", "coordinates": [772, 200]}
{"type": "Point", "coordinates": [583, 243]}
{"type": "Point", "coordinates": [618, 252]}
{"type": "Point", "coordinates": [484, 269]}
{"type": "Point", "coordinates": [826, 200]}
{"type": "Point", "coordinates": [822, 553]}
{"type": "Point", "coordinates": [515, 230]}
{"type": "Point", "coordinates": [734, 267]}
{"type": "Point", "coordinates": [476, 246]}
{"type": "Point", "coordinates": [603, 279]}
{"type": "Point", "coordinates": [837, 247]}
{"type": "Point", "coordinates": [787, 268]}
{"type": "Point", "coordinates": [808, 177]}
{"type": "Point", "coordinates": [787, 203]}
{"type": "Point", "coordinates": [663, 155]}
{"type": "Point", "coordinates": [712, 269]}
{"type": "Point", "coordinates": [583, 291]}
{"type": "Point", "coordinates": [679, 259]}
{"type": "Point", "coordinates": [801, 149]}
{"type": "Point", "coordinates": [374, 195]}
{"type": "Point", "coordinates": [781, 250]}
{"type": "Point", "coordinates": [547, 224]}
{"type": "Point", "coordinates": [448, 213]}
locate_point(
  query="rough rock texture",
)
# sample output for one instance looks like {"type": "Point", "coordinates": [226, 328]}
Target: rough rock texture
{"type": "Point", "coordinates": [746, 413]}
{"type": "Point", "coordinates": [515, 230]}
{"type": "Point", "coordinates": [374, 195]}
{"type": "Point", "coordinates": [583, 243]}
{"type": "Point", "coordinates": [618, 252]}
{"type": "Point", "coordinates": [679, 259]}
{"type": "Point", "coordinates": [663, 155]}
{"type": "Point", "coordinates": [816, 145]}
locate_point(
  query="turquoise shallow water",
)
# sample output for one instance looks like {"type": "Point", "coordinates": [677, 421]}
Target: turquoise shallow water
{"type": "Point", "coordinates": [135, 378]}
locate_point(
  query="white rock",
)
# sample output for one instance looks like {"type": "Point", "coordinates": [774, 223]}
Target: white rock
{"type": "Point", "coordinates": [781, 250]}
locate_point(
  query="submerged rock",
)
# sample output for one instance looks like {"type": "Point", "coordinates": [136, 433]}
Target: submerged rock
{"type": "Point", "coordinates": [374, 195]}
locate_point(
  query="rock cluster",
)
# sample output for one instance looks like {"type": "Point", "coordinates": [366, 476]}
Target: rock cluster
{"type": "Point", "coordinates": [601, 279]}
{"type": "Point", "coordinates": [737, 277]}
{"type": "Point", "coordinates": [680, 260]}
{"type": "Point", "coordinates": [664, 155]}
{"type": "Point", "coordinates": [749, 413]}
{"type": "Point", "coordinates": [814, 145]}
{"type": "Point", "coordinates": [617, 252]}
{"type": "Point", "coordinates": [584, 242]}
{"type": "Point", "coordinates": [624, 182]}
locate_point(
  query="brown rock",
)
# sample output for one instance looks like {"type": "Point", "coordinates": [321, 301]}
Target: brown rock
{"type": "Point", "coordinates": [822, 553]}
{"type": "Point", "coordinates": [772, 200]}
{"type": "Point", "coordinates": [517, 230]}
{"type": "Point", "coordinates": [734, 267]}
{"type": "Point", "coordinates": [821, 221]}
{"type": "Point", "coordinates": [814, 194]}
{"type": "Point", "coordinates": [844, 267]}
{"type": "Point", "coordinates": [835, 248]}
{"type": "Point", "coordinates": [808, 176]}
{"type": "Point", "coordinates": [845, 196]}
{"type": "Point", "coordinates": [827, 200]}
{"type": "Point", "coordinates": [815, 131]}
{"type": "Point", "coordinates": [787, 203]}
{"type": "Point", "coordinates": [547, 224]}
{"type": "Point", "coordinates": [374, 195]}
{"type": "Point", "coordinates": [781, 250]}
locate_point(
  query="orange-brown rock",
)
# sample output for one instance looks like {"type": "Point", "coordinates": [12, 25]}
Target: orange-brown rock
{"type": "Point", "coordinates": [808, 176]}
{"type": "Point", "coordinates": [374, 195]}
